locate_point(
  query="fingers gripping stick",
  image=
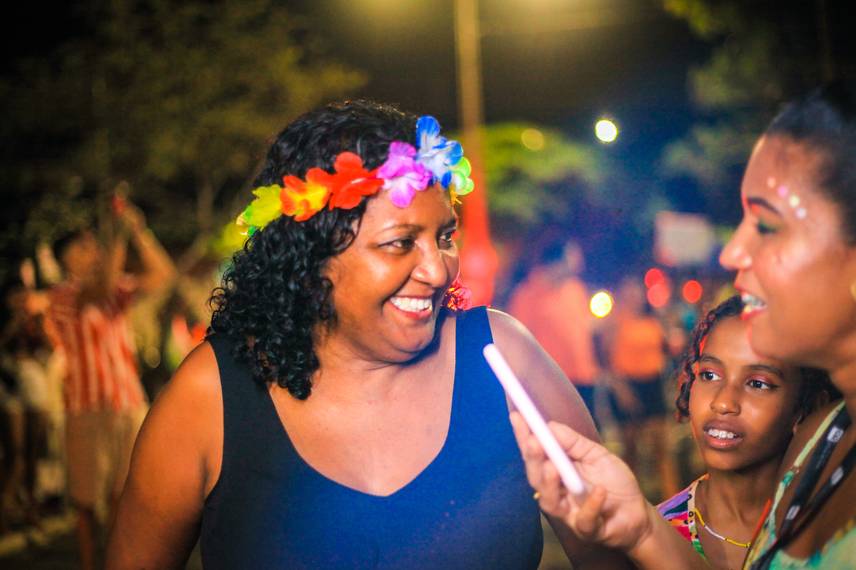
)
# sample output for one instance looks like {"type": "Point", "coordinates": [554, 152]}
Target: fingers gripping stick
{"type": "Point", "coordinates": [523, 403]}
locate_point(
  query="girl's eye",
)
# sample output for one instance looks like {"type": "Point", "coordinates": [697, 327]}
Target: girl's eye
{"type": "Point", "coordinates": [759, 384]}
{"type": "Point", "coordinates": [764, 229]}
{"type": "Point", "coordinates": [708, 375]}
{"type": "Point", "coordinates": [447, 239]}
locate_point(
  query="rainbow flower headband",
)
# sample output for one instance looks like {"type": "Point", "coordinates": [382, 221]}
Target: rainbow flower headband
{"type": "Point", "coordinates": [407, 170]}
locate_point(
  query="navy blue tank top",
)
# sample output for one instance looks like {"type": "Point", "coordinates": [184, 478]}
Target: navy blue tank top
{"type": "Point", "coordinates": [471, 507]}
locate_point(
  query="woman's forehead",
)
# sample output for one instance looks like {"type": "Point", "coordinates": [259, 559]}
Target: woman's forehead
{"type": "Point", "coordinates": [782, 157]}
{"type": "Point", "coordinates": [430, 207]}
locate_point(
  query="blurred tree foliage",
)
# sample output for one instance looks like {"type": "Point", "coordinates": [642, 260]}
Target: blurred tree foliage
{"type": "Point", "coordinates": [765, 53]}
{"type": "Point", "coordinates": [174, 101]}
{"type": "Point", "coordinates": [539, 178]}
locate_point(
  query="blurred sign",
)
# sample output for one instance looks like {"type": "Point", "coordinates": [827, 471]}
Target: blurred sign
{"type": "Point", "coordinates": [683, 239]}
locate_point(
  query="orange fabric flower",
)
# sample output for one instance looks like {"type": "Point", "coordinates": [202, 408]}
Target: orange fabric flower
{"type": "Point", "coordinates": [351, 182]}
{"type": "Point", "coordinates": [302, 200]}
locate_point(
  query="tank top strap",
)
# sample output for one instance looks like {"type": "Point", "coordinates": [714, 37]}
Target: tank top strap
{"type": "Point", "coordinates": [476, 388]}
{"type": "Point", "coordinates": [246, 417]}
{"type": "Point", "coordinates": [472, 333]}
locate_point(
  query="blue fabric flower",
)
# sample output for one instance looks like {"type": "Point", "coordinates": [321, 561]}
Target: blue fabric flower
{"type": "Point", "coordinates": [436, 152]}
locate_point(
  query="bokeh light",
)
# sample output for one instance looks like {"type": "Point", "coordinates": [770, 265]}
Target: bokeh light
{"type": "Point", "coordinates": [606, 130]}
{"type": "Point", "coordinates": [654, 276]}
{"type": "Point", "coordinates": [533, 139]}
{"type": "Point", "coordinates": [692, 291]}
{"type": "Point", "coordinates": [601, 304]}
{"type": "Point", "coordinates": [659, 294]}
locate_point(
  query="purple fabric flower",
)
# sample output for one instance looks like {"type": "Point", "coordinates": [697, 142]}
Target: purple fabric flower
{"type": "Point", "coordinates": [402, 175]}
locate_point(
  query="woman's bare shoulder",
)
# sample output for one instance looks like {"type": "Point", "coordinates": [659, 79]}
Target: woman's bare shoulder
{"type": "Point", "coordinates": [188, 413]}
{"type": "Point", "coordinates": [198, 374]}
{"type": "Point", "coordinates": [549, 388]}
{"type": "Point", "coordinates": [175, 463]}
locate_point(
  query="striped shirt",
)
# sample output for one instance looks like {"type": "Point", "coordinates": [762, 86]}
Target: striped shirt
{"type": "Point", "coordinates": [96, 338]}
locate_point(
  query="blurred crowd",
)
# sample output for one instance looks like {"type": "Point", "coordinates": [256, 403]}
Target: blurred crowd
{"type": "Point", "coordinates": [623, 357]}
{"type": "Point", "coordinates": [90, 336]}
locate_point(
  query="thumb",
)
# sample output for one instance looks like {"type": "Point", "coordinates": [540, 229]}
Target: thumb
{"type": "Point", "coordinates": [576, 445]}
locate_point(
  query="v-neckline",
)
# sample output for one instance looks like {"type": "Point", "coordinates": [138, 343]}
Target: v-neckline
{"type": "Point", "coordinates": [441, 453]}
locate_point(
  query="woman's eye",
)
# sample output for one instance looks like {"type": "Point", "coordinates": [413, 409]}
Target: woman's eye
{"type": "Point", "coordinates": [759, 384]}
{"type": "Point", "coordinates": [764, 229]}
{"type": "Point", "coordinates": [447, 239]}
{"type": "Point", "coordinates": [401, 243]}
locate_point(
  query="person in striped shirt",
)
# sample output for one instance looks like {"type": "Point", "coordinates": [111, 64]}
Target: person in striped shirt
{"type": "Point", "coordinates": [105, 402]}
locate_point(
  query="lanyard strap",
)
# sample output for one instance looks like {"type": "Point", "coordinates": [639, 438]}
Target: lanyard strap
{"type": "Point", "coordinates": [800, 502]}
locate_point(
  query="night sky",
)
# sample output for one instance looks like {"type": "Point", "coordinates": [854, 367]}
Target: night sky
{"type": "Point", "coordinates": [557, 62]}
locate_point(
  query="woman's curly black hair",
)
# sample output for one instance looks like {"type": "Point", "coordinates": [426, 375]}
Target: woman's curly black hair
{"type": "Point", "coordinates": [815, 385]}
{"type": "Point", "coordinates": [274, 295]}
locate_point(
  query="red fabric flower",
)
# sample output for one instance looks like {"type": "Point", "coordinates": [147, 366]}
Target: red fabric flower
{"type": "Point", "coordinates": [350, 182]}
{"type": "Point", "coordinates": [458, 297]}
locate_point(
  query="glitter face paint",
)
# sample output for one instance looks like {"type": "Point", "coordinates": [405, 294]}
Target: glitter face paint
{"type": "Point", "coordinates": [796, 268]}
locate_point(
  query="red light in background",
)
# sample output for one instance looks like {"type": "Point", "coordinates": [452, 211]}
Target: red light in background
{"type": "Point", "coordinates": [659, 294]}
{"type": "Point", "coordinates": [654, 276]}
{"type": "Point", "coordinates": [692, 291]}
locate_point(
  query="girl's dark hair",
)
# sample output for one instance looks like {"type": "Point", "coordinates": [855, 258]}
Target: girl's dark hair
{"type": "Point", "coordinates": [273, 296]}
{"type": "Point", "coordinates": [826, 120]}
{"type": "Point", "coordinates": [815, 385]}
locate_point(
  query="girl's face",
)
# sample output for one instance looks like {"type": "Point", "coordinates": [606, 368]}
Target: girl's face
{"type": "Point", "coordinates": [743, 407]}
{"type": "Point", "coordinates": [794, 265]}
{"type": "Point", "coordinates": [388, 285]}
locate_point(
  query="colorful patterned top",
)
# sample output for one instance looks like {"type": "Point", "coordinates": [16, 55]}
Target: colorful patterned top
{"type": "Point", "coordinates": [679, 511]}
{"type": "Point", "coordinates": [837, 553]}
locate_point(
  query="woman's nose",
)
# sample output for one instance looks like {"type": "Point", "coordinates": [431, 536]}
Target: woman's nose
{"type": "Point", "coordinates": [432, 268]}
{"type": "Point", "coordinates": [735, 255]}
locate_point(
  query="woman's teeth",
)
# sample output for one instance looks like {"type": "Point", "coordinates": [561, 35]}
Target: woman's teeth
{"type": "Point", "coordinates": [412, 304]}
{"type": "Point", "coordinates": [721, 434]}
{"type": "Point", "coordinates": [751, 302]}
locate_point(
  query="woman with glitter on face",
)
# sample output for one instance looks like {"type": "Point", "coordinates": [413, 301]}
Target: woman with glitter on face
{"type": "Point", "coordinates": [340, 414]}
{"type": "Point", "coordinates": [795, 257]}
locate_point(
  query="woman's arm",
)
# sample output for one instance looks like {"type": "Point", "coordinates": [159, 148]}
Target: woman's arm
{"type": "Point", "coordinates": [558, 400]}
{"type": "Point", "coordinates": [175, 464]}
{"type": "Point", "coordinates": [552, 392]}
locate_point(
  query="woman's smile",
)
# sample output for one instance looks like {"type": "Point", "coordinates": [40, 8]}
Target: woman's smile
{"type": "Point", "coordinates": [414, 307]}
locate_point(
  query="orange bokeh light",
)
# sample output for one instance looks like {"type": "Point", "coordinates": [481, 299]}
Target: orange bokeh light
{"type": "Point", "coordinates": [692, 291]}
{"type": "Point", "coordinates": [654, 276]}
{"type": "Point", "coordinates": [659, 294]}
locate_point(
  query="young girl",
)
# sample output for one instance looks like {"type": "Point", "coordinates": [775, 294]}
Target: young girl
{"type": "Point", "coordinates": [743, 409]}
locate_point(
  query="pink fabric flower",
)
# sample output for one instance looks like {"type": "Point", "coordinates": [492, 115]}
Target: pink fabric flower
{"type": "Point", "coordinates": [403, 176]}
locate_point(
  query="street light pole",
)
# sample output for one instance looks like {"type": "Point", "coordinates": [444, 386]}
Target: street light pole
{"type": "Point", "coordinates": [478, 257]}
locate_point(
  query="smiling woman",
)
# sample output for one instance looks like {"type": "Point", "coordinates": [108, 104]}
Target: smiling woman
{"type": "Point", "coordinates": [340, 413]}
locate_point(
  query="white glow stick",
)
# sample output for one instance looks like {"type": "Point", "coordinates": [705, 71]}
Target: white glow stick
{"type": "Point", "coordinates": [527, 409]}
